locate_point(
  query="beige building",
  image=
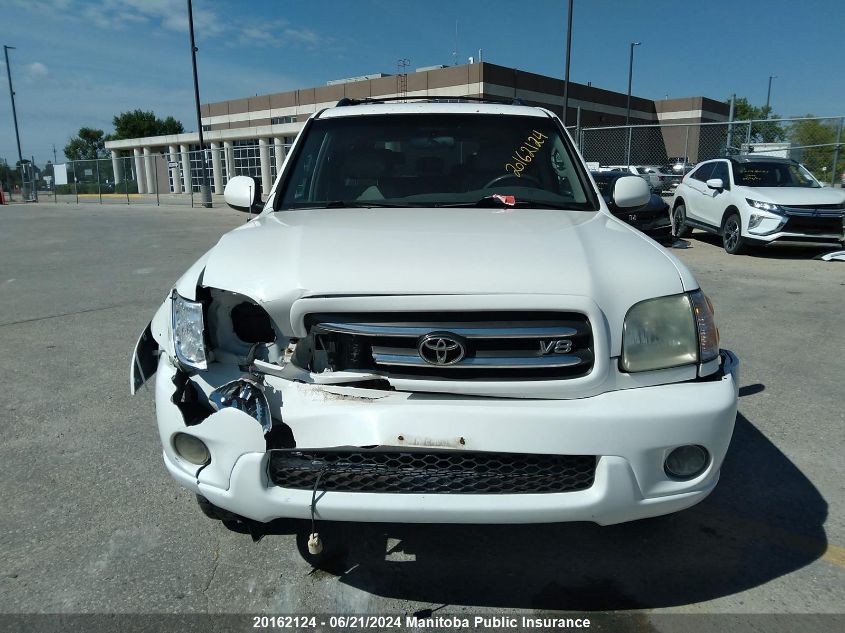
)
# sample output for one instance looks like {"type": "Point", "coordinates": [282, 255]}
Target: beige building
{"type": "Point", "coordinates": [251, 136]}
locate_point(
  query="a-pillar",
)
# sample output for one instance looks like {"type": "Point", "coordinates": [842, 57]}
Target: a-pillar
{"type": "Point", "coordinates": [149, 166]}
{"type": "Point", "coordinates": [216, 168]}
{"type": "Point", "coordinates": [186, 168]}
{"type": "Point", "coordinates": [264, 154]}
{"type": "Point", "coordinates": [229, 155]}
{"type": "Point", "coordinates": [116, 167]}
{"type": "Point", "coordinates": [279, 151]}
{"type": "Point", "coordinates": [175, 172]}
{"type": "Point", "coordinates": [139, 170]}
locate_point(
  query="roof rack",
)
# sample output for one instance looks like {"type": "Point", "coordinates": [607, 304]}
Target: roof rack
{"type": "Point", "coordinates": [346, 101]}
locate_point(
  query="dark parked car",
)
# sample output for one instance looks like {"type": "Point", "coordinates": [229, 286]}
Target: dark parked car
{"type": "Point", "coordinates": [652, 219]}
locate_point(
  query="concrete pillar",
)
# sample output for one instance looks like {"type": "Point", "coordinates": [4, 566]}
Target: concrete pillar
{"type": "Point", "coordinates": [175, 172]}
{"type": "Point", "coordinates": [279, 151]}
{"type": "Point", "coordinates": [264, 154]}
{"type": "Point", "coordinates": [149, 166]}
{"type": "Point", "coordinates": [116, 167]}
{"type": "Point", "coordinates": [216, 168]}
{"type": "Point", "coordinates": [186, 168]}
{"type": "Point", "coordinates": [139, 170]}
{"type": "Point", "coordinates": [229, 155]}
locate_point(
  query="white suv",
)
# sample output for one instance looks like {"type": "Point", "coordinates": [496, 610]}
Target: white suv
{"type": "Point", "coordinates": [758, 200]}
{"type": "Point", "coordinates": [436, 319]}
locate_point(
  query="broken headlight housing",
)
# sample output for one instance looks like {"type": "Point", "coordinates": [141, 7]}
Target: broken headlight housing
{"type": "Point", "coordinates": [188, 332]}
{"type": "Point", "coordinates": [669, 332]}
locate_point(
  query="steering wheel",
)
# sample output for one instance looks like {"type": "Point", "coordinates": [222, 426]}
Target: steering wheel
{"type": "Point", "coordinates": [505, 177]}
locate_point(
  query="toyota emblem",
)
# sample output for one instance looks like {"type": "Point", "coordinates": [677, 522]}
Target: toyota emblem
{"type": "Point", "coordinates": [441, 348]}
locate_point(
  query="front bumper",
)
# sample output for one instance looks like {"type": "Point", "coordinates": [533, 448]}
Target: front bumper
{"type": "Point", "coordinates": [631, 431]}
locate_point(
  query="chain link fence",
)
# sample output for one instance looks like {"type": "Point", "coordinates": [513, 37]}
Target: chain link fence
{"type": "Point", "coordinates": [155, 178]}
{"type": "Point", "coordinates": [165, 177]}
{"type": "Point", "coordinates": [815, 142]}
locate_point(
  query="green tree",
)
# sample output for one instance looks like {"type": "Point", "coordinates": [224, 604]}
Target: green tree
{"type": "Point", "coordinates": [138, 124]}
{"type": "Point", "coordinates": [816, 142]}
{"type": "Point", "coordinates": [762, 131]}
{"type": "Point", "coordinates": [88, 144]}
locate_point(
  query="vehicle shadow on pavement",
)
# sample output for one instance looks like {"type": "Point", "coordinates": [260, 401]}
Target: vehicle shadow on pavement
{"type": "Point", "coordinates": [777, 251]}
{"type": "Point", "coordinates": [764, 519]}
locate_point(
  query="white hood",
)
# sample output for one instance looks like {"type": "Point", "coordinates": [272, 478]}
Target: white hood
{"type": "Point", "coordinates": [796, 195]}
{"type": "Point", "coordinates": [281, 257]}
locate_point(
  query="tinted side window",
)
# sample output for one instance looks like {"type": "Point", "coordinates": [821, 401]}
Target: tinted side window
{"type": "Point", "coordinates": [703, 172]}
{"type": "Point", "coordinates": [721, 171]}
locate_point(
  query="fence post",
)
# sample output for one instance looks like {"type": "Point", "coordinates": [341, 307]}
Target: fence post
{"type": "Point", "coordinates": [155, 172]}
{"type": "Point", "coordinates": [125, 179]}
{"type": "Point", "coordinates": [628, 146]}
{"type": "Point", "coordinates": [833, 173]}
{"type": "Point", "coordinates": [748, 138]}
{"type": "Point", "coordinates": [75, 185]}
{"type": "Point", "coordinates": [99, 188]}
{"type": "Point", "coordinates": [686, 147]}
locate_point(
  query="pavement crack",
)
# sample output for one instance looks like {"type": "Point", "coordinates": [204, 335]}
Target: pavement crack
{"type": "Point", "coordinates": [215, 564]}
{"type": "Point", "coordinates": [65, 314]}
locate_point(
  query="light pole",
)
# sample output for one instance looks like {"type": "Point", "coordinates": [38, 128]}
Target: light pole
{"type": "Point", "coordinates": [630, 77]}
{"type": "Point", "coordinates": [566, 78]}
{"type": "Point", "coordinates": [14, 112]}
{"type": "Point", "coordinates": [204, 188]}
{"type": "Point", "coordinates": [769, 94]}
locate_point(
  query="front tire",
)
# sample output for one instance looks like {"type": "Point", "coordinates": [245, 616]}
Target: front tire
{"type": "Point", "coordinates": [732, 238]}
{"type": "Point", "coordinates": [679, 222]}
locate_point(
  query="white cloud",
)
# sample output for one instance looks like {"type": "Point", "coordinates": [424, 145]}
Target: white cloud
{"type": "Point", "coordinates": [35, 70]}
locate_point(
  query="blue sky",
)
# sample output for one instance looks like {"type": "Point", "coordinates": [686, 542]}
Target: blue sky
{"type": "Point", "coordinates": [79, 62]}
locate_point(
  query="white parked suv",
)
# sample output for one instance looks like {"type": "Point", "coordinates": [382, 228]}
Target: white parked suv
{"type": "Point", "coordinates": [436, 319]}
{"type": "Point", "coordinates": [757, 200]}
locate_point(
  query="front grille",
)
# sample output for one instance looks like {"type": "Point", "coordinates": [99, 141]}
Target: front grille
{"type": "Point", "coordinates": [500, 345]}
{"type": "Point", "coordinates": [810, 225]}
{"type": "Point", "coordinates": [837, 206]}
{"type": "Point", "coordinates": [387, 470]}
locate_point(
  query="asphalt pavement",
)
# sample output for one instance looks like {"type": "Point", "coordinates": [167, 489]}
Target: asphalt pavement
{"type": "Point", "coordinates": [92, 523]}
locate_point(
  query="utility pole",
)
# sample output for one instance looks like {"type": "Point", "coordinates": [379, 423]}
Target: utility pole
{"type": "Point", "coordinates": [55, 160]}
{"type": "Point", "coordinates": [14, 114]}
{"type": "Point", "coordinates": [12, 94]}
{"type": "Point", "coordinates": [630, 77]}
{"type": "Point", "coordinates": [769, 94]}
{"type": "Point", "coordinates": [566, 77]}
{"type": "Point", "coordinates": [205, 189]}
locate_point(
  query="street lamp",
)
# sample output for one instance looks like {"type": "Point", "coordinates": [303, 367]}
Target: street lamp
{"type": "Point", "coordinates": [769, 94]}
{"type": "Point", "coordinates": [204, 188]}
{"type": "Point", "coordinates": [630, 77]}
{"type": "Point", "coordinates": [566, 78]}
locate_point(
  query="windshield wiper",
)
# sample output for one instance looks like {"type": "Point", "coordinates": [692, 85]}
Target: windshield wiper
{"type": "Point", "coordinates": [522, 203]}
{"type": "Point", "coordinates": [357, 204]}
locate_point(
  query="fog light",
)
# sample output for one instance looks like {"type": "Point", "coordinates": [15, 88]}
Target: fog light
{"type": "Point", "coordinates": [191, 449]}
{"type": "Point", "coordinates": [686, 462]}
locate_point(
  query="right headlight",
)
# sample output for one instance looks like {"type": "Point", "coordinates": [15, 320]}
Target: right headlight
{"type": "Point", "coordinates": [188, 332]}
{"type": "Point", "coordinates": [764, 206]}
{"type": "Point", "coordinates": [669, 332]}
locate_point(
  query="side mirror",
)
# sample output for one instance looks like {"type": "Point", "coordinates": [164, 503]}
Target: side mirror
{"type": "Point", "coordinates": [242, 193]}
{"type": "Point", "coordinates": [715, 183]}
{"type": "Point", "coordinates": [631, 191]}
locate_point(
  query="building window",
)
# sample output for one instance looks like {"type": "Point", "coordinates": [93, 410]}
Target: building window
{"type": "Point", "coordinates": [277, 120]}
{"type": "Point", "coordinates": [206, 128]}
{"type": "Point", "coordinates": [247, 158]}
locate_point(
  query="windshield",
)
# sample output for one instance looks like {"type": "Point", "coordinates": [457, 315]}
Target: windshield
{"type": "Point", "coordinates": [773, 175]}
{"type": "Point", "coordinates": [410, 160]}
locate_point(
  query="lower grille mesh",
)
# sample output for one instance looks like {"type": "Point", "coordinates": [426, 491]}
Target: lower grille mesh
{"type": "Point", "coordinates": [435, 472]}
